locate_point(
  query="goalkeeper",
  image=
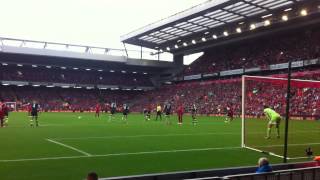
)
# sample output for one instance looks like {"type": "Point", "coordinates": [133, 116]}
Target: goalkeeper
{"type": "Point", "coordinates": [274, 120]}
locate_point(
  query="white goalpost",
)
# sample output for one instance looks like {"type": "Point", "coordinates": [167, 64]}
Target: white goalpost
{"type": "Point", "coordinates": [258, 91]}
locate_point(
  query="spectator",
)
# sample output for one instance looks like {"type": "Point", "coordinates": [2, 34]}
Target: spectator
{"type": "Point", "coordinates": [92, 176]}
{"type": "Point", "coordinates": [317, 159]}
{"type": "Point", "coordinates": [264, 166]}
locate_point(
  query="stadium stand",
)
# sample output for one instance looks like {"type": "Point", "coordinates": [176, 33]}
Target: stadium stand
{"type": "Point", "coordinates": [63, 99]}
{"type": "Point", "coordinates": [261, 52]}
{"type": "Point", "coordinates": [55, 75]}
{"type": "Point", "coordinates": [211, 96]}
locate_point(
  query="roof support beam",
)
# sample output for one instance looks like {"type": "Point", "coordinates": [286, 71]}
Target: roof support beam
{"type": "Point", "coordinates": [164, 39]}
{"type": "Point", "coordinates": [256, 5]}
{"type": "Point", "coordinates": [216, 19]}
{"type": "Point", "coordinates": [184, 29]}
{"type": "Point", "coordinates": [234, 13]}
{"type": "Point", "coordinates": [198, 25]}
{"type": "Point", "coordinates": [169, 33]}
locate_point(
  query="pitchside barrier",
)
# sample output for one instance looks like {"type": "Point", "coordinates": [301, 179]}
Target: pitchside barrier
{"type": "Point", "coordinates": [310, 173]}
{"type": "Point", "coordinates": [225, 172]}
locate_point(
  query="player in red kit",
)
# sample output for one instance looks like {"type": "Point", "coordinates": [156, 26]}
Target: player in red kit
{"type": "Point", "coordinates": [230, 113]}
{"type": "Point", "coordinates": [5, 110]}
{"type": "Point", "coordinates": [29, 109]}
{"type": "Point", "coordinates": [98, 108]}
{"type": "Point", "coordinates": [147, 112]}
{"type": "Point", "coordinates": [180, 114]}
{"type": "Point", "coordinates": [2, 113]}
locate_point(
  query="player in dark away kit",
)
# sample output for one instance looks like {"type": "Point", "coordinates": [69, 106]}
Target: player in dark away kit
{"type": "Point", "coordinates": [34, 114]}
{"type": "Point", "coordinates": [167, 111]}
{"type": "Point", "coordinates": [125, 113]}
{"type": "Point", "coordinates": [113, 110]}
{"type": "Point", "coordinates": [194, 114]}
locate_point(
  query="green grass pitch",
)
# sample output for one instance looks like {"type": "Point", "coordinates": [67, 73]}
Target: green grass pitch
{"type": "Point", "coordinates": [65, 147]}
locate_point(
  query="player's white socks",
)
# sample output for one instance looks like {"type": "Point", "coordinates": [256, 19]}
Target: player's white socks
{"type": "Point", "coordinates": [268, 132]}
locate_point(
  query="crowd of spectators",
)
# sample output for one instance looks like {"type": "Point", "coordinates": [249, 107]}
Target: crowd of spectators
{"type": "Point", "coordinates": [53, 75]}
{"type": "Point", "coordinates": [213, 97]}
{"type": "Point", "coordinates": [300, 45]}
{"type": "Point", "coordinates": [210, 97]}
{"type": "Point", "coordinates": [60, 99]}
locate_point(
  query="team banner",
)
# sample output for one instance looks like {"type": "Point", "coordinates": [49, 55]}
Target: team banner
{"type": "Point", "coordinates": [104, 86]}
{"type": "Point", "coordinates": [144, 88]}
{"type": "Point", "coordinates": [63, 85]}
{"type": "Point", "coordinates": [297, 64]}
{"type": "Point", "coordinates": [256, 69]}
{"type": "Point", "coordinates": [191, 77]}
{"type": "Point", "coordinates": [210, 75]}
{"type": "Point", "coordinates": [15, 82]}
{"type": "Point", "coordinates": [311, 62]}
{"type": "Point", "coordinates": [279, 66]}
{"type": "Point", "coordinates": [231, 72]}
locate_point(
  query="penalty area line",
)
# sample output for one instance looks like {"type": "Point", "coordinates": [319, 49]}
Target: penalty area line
{"type": "Point", "coordinates": [279, 156]}
{"type": "Point", "coordinates": [69, 147]}
{"type": "Point", "coordinates": [266, 152]}
{"type": "Point", "coordinates": [121, 154]}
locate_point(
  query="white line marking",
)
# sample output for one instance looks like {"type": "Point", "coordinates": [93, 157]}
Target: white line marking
{"type": "Point", "coordinates": [274, 154]}
{"type": "Point", "coordinates": [122, 154]}
{"type": "Point", "coordinates": [69, 147]}
{"type": "Point", "coordinates": [261, 151]}
{"type": "Point", "coordinates": [294, 158]}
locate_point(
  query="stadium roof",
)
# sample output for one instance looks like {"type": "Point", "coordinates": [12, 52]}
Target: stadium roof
{"type": "Point", "coordinates": [170, 33]}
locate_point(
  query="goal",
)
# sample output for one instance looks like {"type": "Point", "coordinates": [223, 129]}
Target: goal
{"type": "Point", "coordinates": [304, 112]}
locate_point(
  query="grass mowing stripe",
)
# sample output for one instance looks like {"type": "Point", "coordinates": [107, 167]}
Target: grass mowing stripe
{"type": "Point", "coordinates": [69, 147]}
{"type": "Point", "coordinates": [166, 135]}
{"type": "Point", "coordinates": [145, 135]}
{"type": "Point", "coordinates": [141, 153]}
{"type": "Point", "coordinates": [122, 154]}
{"type": "Point", "coordinates": [280, 145]}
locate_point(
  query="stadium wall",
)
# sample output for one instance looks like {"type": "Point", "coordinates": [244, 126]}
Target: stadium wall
{"type": "Point", "coordinates": [212, 172]}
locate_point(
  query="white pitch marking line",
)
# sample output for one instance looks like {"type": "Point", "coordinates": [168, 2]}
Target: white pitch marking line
{"type": "Point", "coordinates": [295, 158]}
{"type": "Point", "coordinates": [122, 154]}
{"type": "Point", "coordinates": [69, 147]}
{"type": "Point", "coordinates": [274, 154]}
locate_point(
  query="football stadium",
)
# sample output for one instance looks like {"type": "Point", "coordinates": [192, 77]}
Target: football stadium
{"type": "Point", "coordinates": [201, 89]}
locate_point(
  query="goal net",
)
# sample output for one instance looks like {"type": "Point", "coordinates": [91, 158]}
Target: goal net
{"type": "Point", "coordinates": [11, 105]}
{"type": "Point", "coordinates": [304, 115]}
